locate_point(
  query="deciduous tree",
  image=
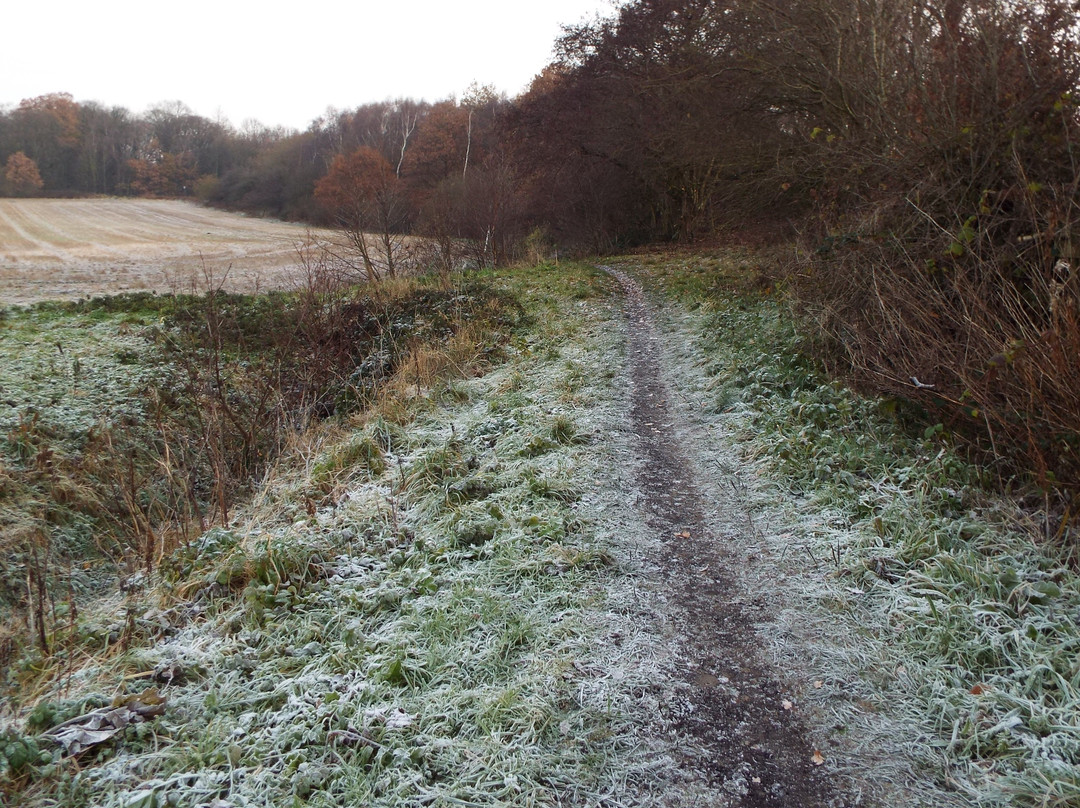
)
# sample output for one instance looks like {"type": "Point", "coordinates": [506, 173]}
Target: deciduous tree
{"type": "Point", "coordinates": [47, 128]}
{"type": "Point", "coordinates": [437, 150]}
{"type": "Point", "coordinates": [21, 176]}
{"type": "Point", "coordinates": [364, 196]}
{"type": "Point", "coordinates": [162, 173]}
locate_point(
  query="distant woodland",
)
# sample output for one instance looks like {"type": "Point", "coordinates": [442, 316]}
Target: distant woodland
{"type": "Point", "coordinates": [923, 155]}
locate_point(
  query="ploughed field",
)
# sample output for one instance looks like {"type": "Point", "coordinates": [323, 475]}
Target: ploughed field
{"type": "Point", "coordinates": [65, 249]}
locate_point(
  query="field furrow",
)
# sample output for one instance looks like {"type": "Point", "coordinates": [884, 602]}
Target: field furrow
{"type": "Point", "coordinates": [67, 249]}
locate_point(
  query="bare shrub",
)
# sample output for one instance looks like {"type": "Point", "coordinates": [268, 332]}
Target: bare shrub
{"type": "Point", "coordinates": [943, 263]}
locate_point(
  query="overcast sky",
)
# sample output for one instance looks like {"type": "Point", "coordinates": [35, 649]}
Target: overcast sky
{"type": "Point", "coordinates": [278, 63]}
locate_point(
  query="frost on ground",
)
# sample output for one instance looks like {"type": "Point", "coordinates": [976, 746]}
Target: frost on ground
{"type": "Point", "coordinates": [66, 384]}
{"type": "Point", "coordinates": [65, 372]}
{"type": "Point", "coordinates": [784, 592]}
{"type": "Point", "coordinates": [465, 622]}
{"type": "Point", "coordinates": [924, 625]}
{"type": "Point", "coordinates": [757, 749]}
{"type": "Point", "coordinates": [65, 249]}
{"type": "Point", "coordinates": [479, 610]}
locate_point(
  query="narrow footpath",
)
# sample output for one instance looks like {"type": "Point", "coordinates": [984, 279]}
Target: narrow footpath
{"type": "Point", "coordinates": [756, 749]}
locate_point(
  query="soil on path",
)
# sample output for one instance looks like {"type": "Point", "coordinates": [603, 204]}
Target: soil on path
{"type": "Point", "coordinates": [756, 749]}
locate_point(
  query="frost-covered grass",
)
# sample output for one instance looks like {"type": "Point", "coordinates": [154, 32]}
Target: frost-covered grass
{"type": "Point", "coordinates": [68, 371]}
{"type": "Point", "coordinates": [66, 380]}
{"type": "Point", "coordinates": [414, 611]}
{"type": "Point", "coordinates": [131, 423]}
{"type": "Point", "coordinates": [961, 621]}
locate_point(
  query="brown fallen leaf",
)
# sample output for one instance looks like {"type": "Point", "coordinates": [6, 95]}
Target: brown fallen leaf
{"type": "Point", "coordinates": [817, 758]}
{"type": "Point", "coordinates": [148, 704]}
{"type": "Point", "coordinates": [978, 690]}
{"type": "Point", "coordinates": [684, 535]}
{"type": "Point", "coordinates": [98, 726]}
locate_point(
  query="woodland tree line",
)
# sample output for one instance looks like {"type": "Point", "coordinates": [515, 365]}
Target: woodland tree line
{"type": "Point", "coordinates": [920, 154]}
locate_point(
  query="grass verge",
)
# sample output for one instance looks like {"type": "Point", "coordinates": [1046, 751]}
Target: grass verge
{"type": "Point", "coordinates": [407, 613]}
{"type": "Point", "coordinates": [967, 625]}
{"type": "Point", "coordinates": [131, 424]}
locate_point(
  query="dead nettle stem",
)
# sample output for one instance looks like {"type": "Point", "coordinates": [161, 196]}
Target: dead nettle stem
{"type": "Point", "coordinates": [36, 575]}
{"type": "Point", "coordinates": [393, 514]}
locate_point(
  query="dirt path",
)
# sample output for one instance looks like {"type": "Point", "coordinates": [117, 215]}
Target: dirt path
{"type": "Point", "coordinates": [756, 749]}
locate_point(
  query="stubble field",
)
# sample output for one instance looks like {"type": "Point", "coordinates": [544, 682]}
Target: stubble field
{"type": "Point", "coordinates": [66, 249]}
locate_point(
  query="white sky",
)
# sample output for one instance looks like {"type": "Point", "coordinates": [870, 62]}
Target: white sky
{"type": "Point", "coordinates": [282, 63]}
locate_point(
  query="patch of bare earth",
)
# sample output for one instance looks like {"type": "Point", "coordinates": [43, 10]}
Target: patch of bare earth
{"type": "Point", "coordinates": [66, 249]}
{"type": "Point", "coordinates": [749, 744]}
